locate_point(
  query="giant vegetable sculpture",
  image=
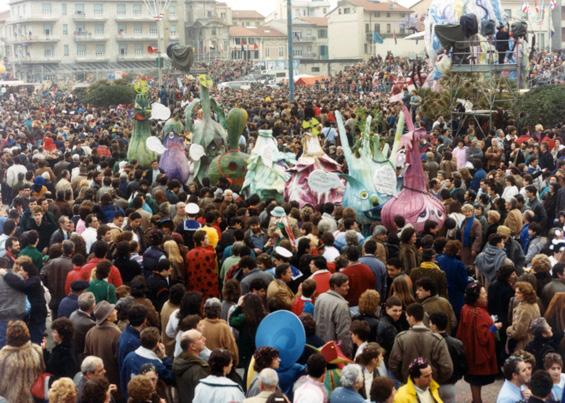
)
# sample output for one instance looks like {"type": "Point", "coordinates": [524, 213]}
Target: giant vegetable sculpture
{"type": "Point", "coordinates": [414, 202]}
{"type": "Point", "coordinates": [208, 135]}
{"type": "Point", "coordinates": [232, 164]}
{"type": "Point", "coordinates": [137, 149]}
{"type": "Point", "coordinates": [371, 180]}
{"type": "Point", "coordinates": [266, 168]}
{"type": "Point", "coordinates": [314, 179]}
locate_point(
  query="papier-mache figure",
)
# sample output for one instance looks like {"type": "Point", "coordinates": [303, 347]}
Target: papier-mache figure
{"type": "Point", "coordinates": [414, 202]}
{"type": "Point", "coordinates": [314, 179]}
{"type": "Point", "coordinates": [372, 178]}
{"type": "Point", "coordinates": [208, 135]}
{"type": "Point", "coordinates": [267, 168]}
{"type": "Point", "coordinates": [173, 161]}
{"type": "Point", "coordinates": [137, 148]}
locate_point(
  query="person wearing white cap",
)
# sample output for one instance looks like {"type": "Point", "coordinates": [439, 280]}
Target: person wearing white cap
{"type": "Point", "coordinates": [281, 223]}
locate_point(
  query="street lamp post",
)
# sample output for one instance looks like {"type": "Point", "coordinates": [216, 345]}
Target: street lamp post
{"type": "Point", "coordinates": [290, 55]}
{"type": "Point", "coordinates": [158, 8]}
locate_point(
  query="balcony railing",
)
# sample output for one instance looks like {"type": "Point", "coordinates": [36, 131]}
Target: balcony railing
{"type": "Point", "coordinates": [37, 59]}
{"type": "Point", "coordinates": [89, 37]}
{"type": "Point", "coordinates": [136, 37]}
{"type": "Point", "coordinates": [35, 39]}
{"type": "Point", "coordinates": [130, 58]}
{"type": "Point", "coordinates": [88, 17]}
{"type": "Point", "coordinates": [91, 59]}
{"type": "Point", "coordinates": [137, 18]}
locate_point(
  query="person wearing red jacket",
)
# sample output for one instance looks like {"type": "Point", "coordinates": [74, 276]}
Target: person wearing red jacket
{"type": "Point", "coordinates": [477, 332]}
{"type": "Point", "coordinates": [100, 250]}
{"type": "Point", "coordinates": [361, 277]}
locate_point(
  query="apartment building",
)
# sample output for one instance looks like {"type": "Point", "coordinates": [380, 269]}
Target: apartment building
{"type": "Point", "coordinates": [309, 37]}
{"type": "Point", "coordinates": [47, 38]}
{"type": "Point", "coordinates": [207, 29]}
{"type": "Point", "coordinates": [247, 18]}
{"type": "Point", "coordinates": [355, 28]}
{"type": "Point", "coordinates": [260, 44]}
{"type": "Point", "coordinates": [300, 8]}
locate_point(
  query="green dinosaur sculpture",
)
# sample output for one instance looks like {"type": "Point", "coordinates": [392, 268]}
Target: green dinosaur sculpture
{"type": "Point", "coordinates": [137, 149]}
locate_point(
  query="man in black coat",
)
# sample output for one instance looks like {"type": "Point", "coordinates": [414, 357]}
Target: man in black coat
{"type": "Point", "coordinates": [501, 44]}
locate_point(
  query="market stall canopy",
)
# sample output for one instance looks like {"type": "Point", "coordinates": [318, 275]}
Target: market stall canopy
{"type": "Point", "coordinates": [307, 81]}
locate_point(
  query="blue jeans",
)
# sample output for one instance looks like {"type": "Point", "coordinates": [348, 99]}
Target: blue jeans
{"type": "Point", "coordinates": [3, 327]}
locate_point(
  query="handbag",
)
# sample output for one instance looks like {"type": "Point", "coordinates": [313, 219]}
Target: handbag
{"type": "Point", "coordinates": [40, 387]}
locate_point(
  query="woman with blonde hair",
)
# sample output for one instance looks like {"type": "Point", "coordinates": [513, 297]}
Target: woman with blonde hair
{"type": "Point", "coordinates": [172, 251]}
{"type": "Point", "coordinates": [541, 267]}
{"type": "Point", "coordinates": [369, 311]}
{"type": "Point", "coordinates": [555, 313]}
{"type": "Point", "coordinates": [525, 311]}
{"type": "Point", "coordinates": [63, 391]}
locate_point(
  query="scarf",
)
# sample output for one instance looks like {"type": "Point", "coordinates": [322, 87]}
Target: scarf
{"type": "Point", "coordinates": [468, 226]}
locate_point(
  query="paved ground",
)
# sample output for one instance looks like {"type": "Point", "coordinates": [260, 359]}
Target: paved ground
{"type": "Point", "coordinates": [489, 392]}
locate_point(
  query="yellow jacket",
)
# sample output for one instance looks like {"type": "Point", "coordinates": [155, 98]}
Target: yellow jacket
{"type": "Point", "coordinates": [407, 393]}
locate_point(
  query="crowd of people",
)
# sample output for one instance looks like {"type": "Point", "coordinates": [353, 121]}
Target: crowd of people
{"type": "Point", "coordinates": [120, 284]}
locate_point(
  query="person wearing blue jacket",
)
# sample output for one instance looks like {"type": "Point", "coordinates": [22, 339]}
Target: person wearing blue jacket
{"type": "Point", "coordinates": [151, 351]}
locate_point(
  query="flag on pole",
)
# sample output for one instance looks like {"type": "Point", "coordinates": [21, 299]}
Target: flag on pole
{"type": "Point", "coordinates": [552, 5]}
{"type": "Point", "coordinates": [377, 38]}
{"type": "Point", "coordinates": [525, 7]}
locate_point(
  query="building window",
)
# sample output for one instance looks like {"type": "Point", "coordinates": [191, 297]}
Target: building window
{"type": "Point", "coordinates": [324, 51]}
{"type": "Point", "coordinates": [139, 50]}
{"type": "Point", "coordinates": [173, 31]}
{"type": "Point", "coordinates": [153, 30]}
{"type": "Point", "coordinates": [209, 14]}
{"type": "Point", "coordinates": [508, 13]}
{"type": "Point", "coordinates": [281, 51]}
{"type": "Point", "coordinates": [46, 9]}
{"type": "Point", "coordinates": [214, 32]}
{"type": "Point", "coordinates": [237, 41]}
{"type": "Point", "coordinates": [79, 8]}
{"type": "Point", "coordinates": [322, 33]}
{"type": "Point", "coordinates": [121, 9]}
{"type": "Point", "coordinates": [64, 8]}
{"type": "Point", "coordinates": [81, 50]}
{"type": "Point", "coordinates": [65, 29]}
{"type": "Point", "coordinates": [48, 51]}
{"type": "Point", "coordinates": [387, 15]}
{"type": "Point", "coordinates": [136, 8]}
{"type": "Point", "coordinates": [377, 14]}
{"type": "Point", "coordinates": [367, 28]}
{"type": "Point", "coordinates": [65, 50]}
{"type": "Point", "coordinates": [267, 52]}
{"type": "Point", "coordinates": [402, 29]}
{"type": "Point", "coordinates": [80, 29]}
{"type": "Point", "coordinates": [99, 29]}
{"type": "Point", "coordinates": [366, 48]}
{"type": "Point", "coordinates": [100, 50]}
{"type": "Point", "coordinates": [138, 29]}
{"type": "Point", "coordinates": [172, 9]}
{"type": "Point", "coordinates": [98, 9]}
{"type": "Point", "coordinates": [122, 29]}
{"type": "Point", "coordinates": [123, 50]}
{"type": "Point", "coordinates": [388, 29]}
{"type": "Point", "coordinates": [315, 69]}
{"type": "Point", "coordinates": [377, 28]}
{"type": "Point", "coordinates": [346, 10]}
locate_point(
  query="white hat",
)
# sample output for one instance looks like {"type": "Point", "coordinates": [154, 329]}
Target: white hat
{"type": "Point", "coordinates": [283, 252]}
{"type": "Point", "coordinates": [192, 209]}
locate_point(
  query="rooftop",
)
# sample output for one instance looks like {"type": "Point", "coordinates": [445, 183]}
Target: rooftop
{"type": "Point", "coordinates": [247, 14]}
{"type": "Point", "coordinates": [378, 6]}
{"type": "Point", "coordinates": [318, 21]}
{"type": "Point", "coordinates": [256, 32]}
